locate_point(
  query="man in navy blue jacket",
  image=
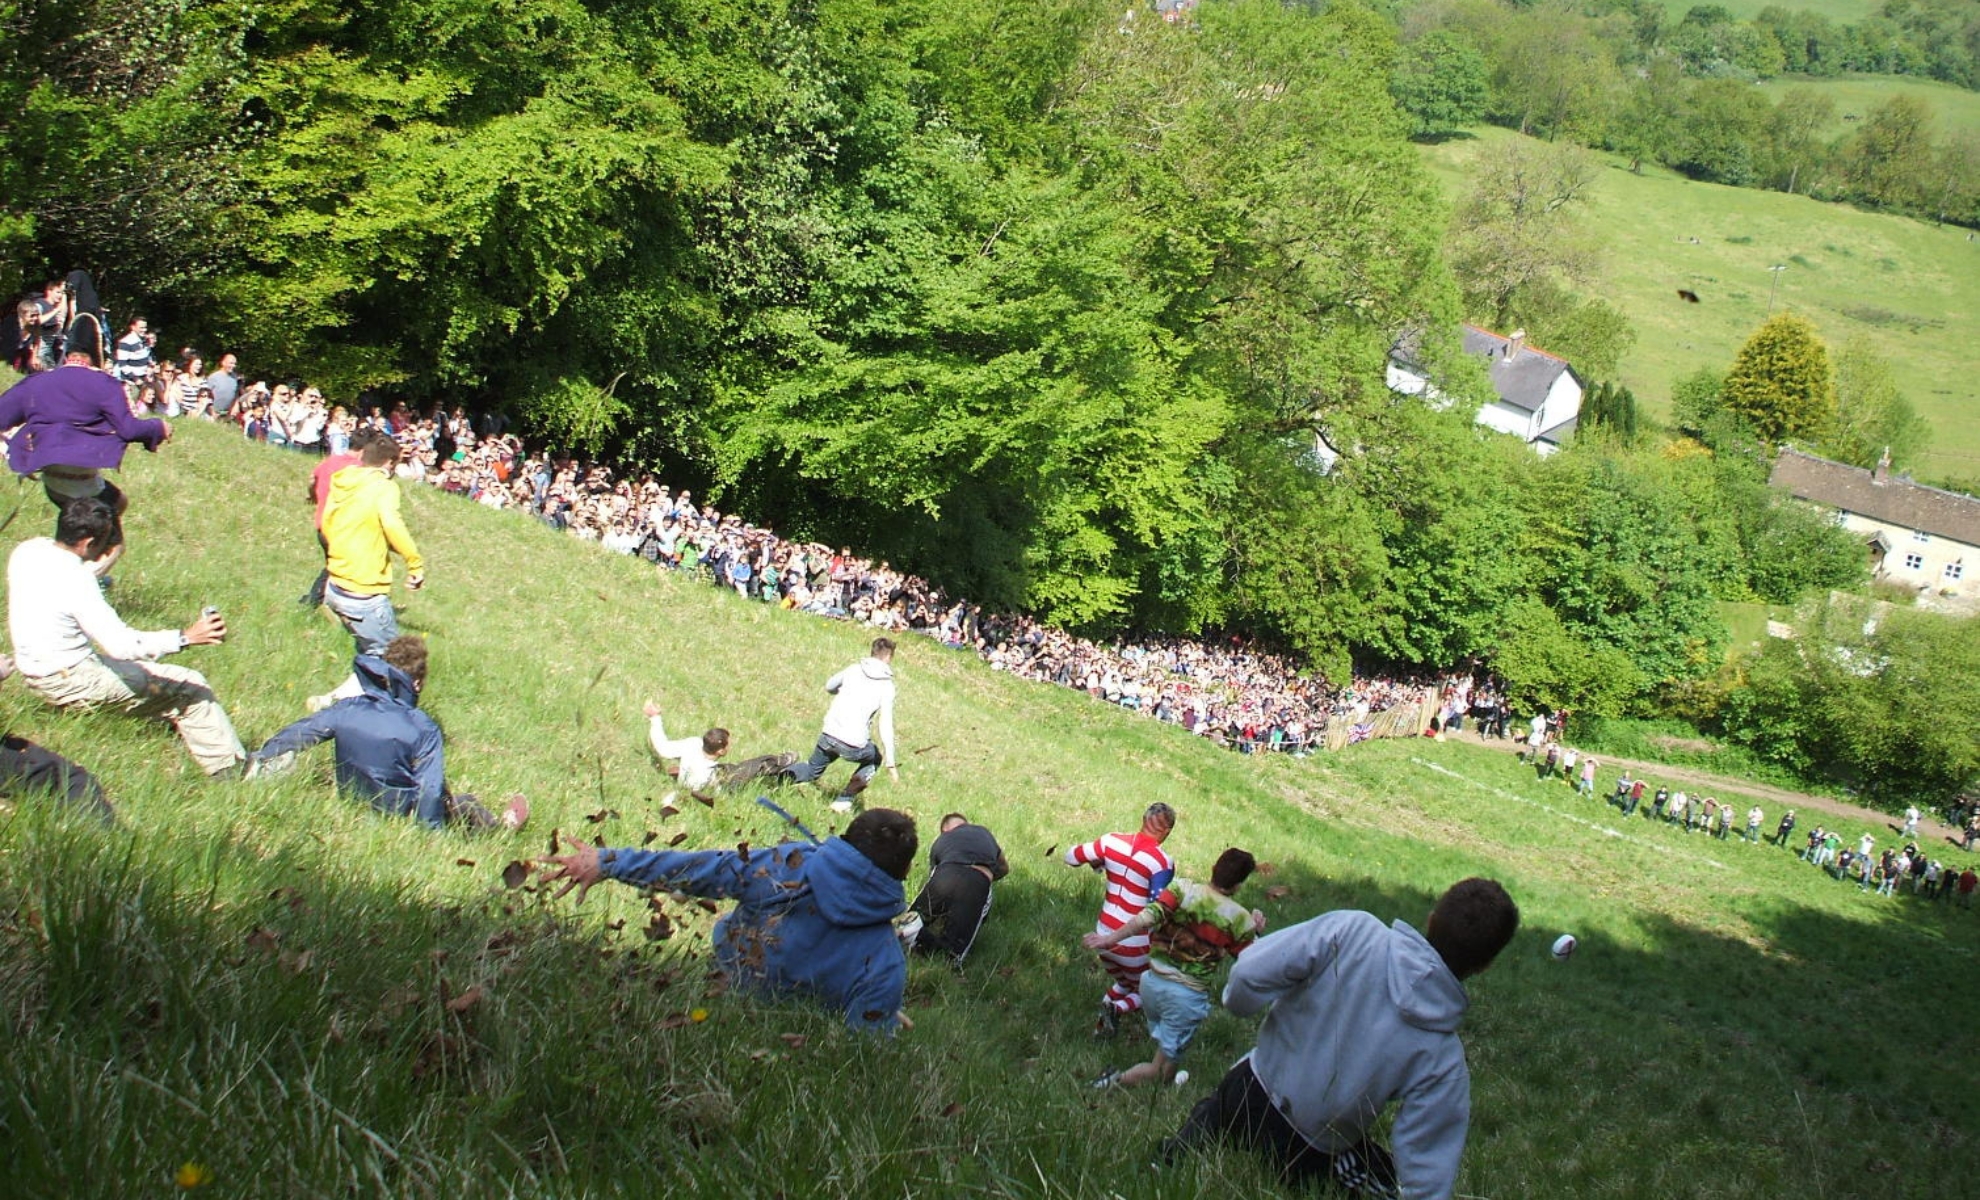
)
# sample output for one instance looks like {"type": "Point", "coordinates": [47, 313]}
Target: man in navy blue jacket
{"type": "Point", "coordinates": [812, 919]}
{"type": "Point", "coordinates": [388, 751]}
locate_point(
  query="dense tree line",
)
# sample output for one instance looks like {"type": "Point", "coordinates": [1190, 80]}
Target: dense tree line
{"type": "Point", "coordinates": [1052, 305]}
{"type": "Point", "coordinates": [1625, 76]}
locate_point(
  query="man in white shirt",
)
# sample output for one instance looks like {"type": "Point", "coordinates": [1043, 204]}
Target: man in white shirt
{"type": "Point", "coordinates": [55, 609]}
{"type": "Point", "coordinates": [700, 757]}
{"type": "Point", "coordinates": [859, 693]}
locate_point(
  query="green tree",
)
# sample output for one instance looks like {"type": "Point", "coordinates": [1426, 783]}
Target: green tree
{"type": "Point", "coordinates": [1650, 119]}
{"type": "Point", "coordinates": [1781, 381]}
{"type": "Point", "coordinates": [1440, 83]}
{"type": "Point", "coordinates": [1872, 415]}
{"type": "Point", "coordinates": [1888, 161]}
{"type": "Point", "coordinates": [1723, 128]}
{"type": "Point", "coordinates": [1517, 232]}
{"type": "Point", "coordinates": [1548, 666]}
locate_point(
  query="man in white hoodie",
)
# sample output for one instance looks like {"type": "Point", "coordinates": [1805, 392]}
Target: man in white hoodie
{"type": "Point", "coordinates": [859, 693]}
{"type": "Point", "coordinates": [1362, 1014]}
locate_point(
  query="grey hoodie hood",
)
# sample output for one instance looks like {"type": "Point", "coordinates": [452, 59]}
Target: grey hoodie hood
{"type": "Point", "coordinates": [1423, 989]}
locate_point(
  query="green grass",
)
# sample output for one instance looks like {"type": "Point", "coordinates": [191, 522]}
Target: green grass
{"type": "Point", "coordinates": [1842, 12]}
{"type": "Point", "coordinates": [1907, 289]}
{"type": "Point", "coordinates": [1746, 624]}
{"type": "Point", "coordinates": [267, 979]}
{"type": "Point", "coordinates": [1954, 109]}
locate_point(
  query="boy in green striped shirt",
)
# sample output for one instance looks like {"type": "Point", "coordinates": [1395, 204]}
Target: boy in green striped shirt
{"type": "Point", "coordinates": [1193, 929]}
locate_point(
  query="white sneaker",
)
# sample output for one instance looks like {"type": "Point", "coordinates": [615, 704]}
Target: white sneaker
{"type": "Point", "coordinates": [908, 928]}
{"type": "Point", "coordinates": [842, 806]}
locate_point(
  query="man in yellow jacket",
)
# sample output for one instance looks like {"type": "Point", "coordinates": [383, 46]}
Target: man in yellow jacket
{"type": "Point", "coordinates": [362, 529]}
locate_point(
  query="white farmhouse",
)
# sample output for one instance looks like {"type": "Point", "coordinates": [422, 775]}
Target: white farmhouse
{"type": "Point", "coordinates": [1538, 394]}
{"type": "Point", "coordinates": [1924, 538]}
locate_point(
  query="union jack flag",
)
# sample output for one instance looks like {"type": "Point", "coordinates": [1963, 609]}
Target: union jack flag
{"type": "Point", "coordinates": [1361, 732]}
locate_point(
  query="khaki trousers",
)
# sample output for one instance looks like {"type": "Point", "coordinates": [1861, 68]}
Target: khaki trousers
{"type": "Point", "coordinates": [179, 695]}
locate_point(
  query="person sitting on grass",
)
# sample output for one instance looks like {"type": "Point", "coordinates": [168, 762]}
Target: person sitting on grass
{"type": "Point", "coordinates": [1192, 930]}
{"type": "Point", "coordinates": [1359, 1015]}
{"type": "Point", "coordinates": [812, 919]}
{"type": "Point", "coordinates": [56, 610]}
{"type": "Point", "coordinates": [388, 751]}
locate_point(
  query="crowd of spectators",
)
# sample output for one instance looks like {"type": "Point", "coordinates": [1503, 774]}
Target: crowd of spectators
{"type": "Point", "coordinates": [1227, 690]}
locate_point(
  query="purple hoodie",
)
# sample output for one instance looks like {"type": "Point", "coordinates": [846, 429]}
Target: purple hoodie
{"type": "Point", "coordinates": [72, 417]}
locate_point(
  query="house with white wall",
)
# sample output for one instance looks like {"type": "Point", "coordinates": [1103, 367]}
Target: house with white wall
{"type": "Point", "coordinates": [1538, 395]}
{"type": "Point", "coordinates": [1920, 537]}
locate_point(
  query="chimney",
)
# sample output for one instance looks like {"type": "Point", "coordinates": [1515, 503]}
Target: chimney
{"type": "Point", "coordinates": [1882, 473]}
{"type": "Point", "coordinates": [1514, 341]}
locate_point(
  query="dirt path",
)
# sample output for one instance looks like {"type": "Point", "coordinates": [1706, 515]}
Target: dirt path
{"type": "Point", "coordinates": [1930, 831]}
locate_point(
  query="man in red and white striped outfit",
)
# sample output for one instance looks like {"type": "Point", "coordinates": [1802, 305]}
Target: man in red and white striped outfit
{"type": "Point", "coordinates": [1137, 870]}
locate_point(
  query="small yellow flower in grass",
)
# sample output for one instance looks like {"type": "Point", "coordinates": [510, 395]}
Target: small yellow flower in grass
{"type": "Point", "coordinates": [698, 1015]}
{"type": "Point", "coordinates": [191, 1175]}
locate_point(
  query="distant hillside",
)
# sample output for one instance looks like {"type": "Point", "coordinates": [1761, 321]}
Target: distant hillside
{"type": "Point", "coordinates": [1912, 291]}
{"type": "Point", "coordinates": [1954, 109]}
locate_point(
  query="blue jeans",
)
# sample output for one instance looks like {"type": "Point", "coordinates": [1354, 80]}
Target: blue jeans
{"type": "Point", "coordinates": [1175, 1011]}
{"type": "Point", "coordinates": [831, 749]}
{"type": "Point", "coordinates": [369, 618]}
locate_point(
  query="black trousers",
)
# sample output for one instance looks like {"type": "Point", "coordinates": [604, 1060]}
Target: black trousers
{"type": "Point", "coordinates": [952, 906]}
{"type": "Point", "coordinates": [1240, 1111]}
{"type": "Point", "coordinates": [26, 767]}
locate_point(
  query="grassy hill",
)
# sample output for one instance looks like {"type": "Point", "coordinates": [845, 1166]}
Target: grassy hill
{"type": "Point", "coordinates": [1908, 289]}
{"type": "Point", "coordinates": [1842, 12]}
{"type": "Point", "coordinates": [1954, 109]}
{"type": "Point", "coordinates": [305, 999]}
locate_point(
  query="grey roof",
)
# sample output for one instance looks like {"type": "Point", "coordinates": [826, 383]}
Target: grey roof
{"type": "Point", "coordinates": [1893, 500]}
{"type": "Point", "coordinates": [1522, 382]}
{"type": "Point", "coordinates": [1560, 433]}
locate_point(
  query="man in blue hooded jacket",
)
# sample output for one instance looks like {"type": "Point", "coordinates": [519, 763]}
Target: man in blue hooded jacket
{"type": "Point", "coordinates": [811, 919]}
{"type": "Point", "coordinates": [388, 751]}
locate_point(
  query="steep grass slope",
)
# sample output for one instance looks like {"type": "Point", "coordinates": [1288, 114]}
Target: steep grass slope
{"type": "Point", "coordinates": [299, 998]}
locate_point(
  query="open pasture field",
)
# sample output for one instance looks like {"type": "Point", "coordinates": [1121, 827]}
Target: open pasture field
{"type": "Point", "coordinates": [1954, 109]}
{"type": "Point", "coordinates": [299, 998]}
{"type": "Point", "coordinates": [1908, 289]}
{"type": "Point", "coordinates": [1842, 12]}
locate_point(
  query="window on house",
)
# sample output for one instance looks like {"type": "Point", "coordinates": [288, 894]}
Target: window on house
{"type": "Point", "coordinates": [1920, 536]}
{"type": "Point", "coordinates": [1954, 571]}
{"type": "Point", "coordinates": [1914, 562]}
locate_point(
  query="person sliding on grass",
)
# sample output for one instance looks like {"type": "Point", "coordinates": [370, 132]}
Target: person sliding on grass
{"type": "Point", "coordinates": [1136, 869]}
{"type": "Point", "coordinates": [1358, 1016]}
{"type": "Point", "coordinates": [963, 864]}
{"type": "Point", "coordinates": [388, 751]}
{"type": "Point", "coordinates": [811, 919]}
{"type": "Point", "coordinates": [1193, 929]}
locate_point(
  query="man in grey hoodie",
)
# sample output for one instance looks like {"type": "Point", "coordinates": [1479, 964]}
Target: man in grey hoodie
{"type": "Point", "coordinates": [1361, 1015]}
{"type": "Point", "coordinates": [859, 694]}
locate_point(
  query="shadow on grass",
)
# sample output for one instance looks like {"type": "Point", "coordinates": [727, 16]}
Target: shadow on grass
{"type": "Point", "coordinates": [290, 1025]}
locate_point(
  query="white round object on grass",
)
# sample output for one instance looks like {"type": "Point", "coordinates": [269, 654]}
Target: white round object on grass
{"type": "Point", "coordinates": [1564, 946]}
{"type": "Point", "coordinates": [1182, 1077]}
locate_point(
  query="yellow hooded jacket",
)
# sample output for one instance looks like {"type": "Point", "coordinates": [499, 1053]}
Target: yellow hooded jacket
{"type": "Point", "coordinates": [361, 525]}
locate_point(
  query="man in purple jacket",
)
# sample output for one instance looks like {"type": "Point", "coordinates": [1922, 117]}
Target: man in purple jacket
{"type": "Point", "coordinates": [74, 423]}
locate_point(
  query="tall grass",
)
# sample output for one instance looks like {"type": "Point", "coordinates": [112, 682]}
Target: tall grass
{"type": "Point", "coordinates": [307, 999]}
